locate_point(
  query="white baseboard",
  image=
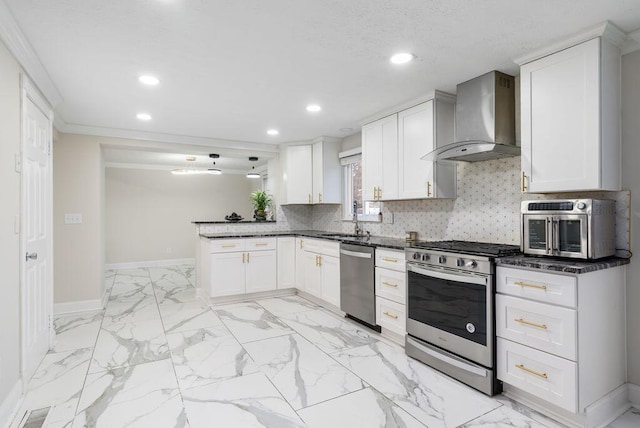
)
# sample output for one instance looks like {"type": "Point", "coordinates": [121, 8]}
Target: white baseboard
{"type": "Point", "coordinates": [634, 395]}
{"type": "Point", "coordinates": [80, 306]}
{"type": "Point", "coordinates": [150, 263]}
{"type": "Point", "coordinates": [608, 408]}
{"type": "Point", "coordinates": [11, 404]}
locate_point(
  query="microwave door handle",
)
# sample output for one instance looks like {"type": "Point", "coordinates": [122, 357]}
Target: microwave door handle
{"type": "Point", "coordinates": [556, 234]}
{"type": "Point", "coordinates": [550, 237]}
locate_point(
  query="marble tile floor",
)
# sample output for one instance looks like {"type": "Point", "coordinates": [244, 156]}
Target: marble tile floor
{"type": "Point", "coordinates": [159, 357]}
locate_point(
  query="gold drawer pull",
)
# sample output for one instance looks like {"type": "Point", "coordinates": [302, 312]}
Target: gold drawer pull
{"type": "Point", "coordinates": [532, 324]}
{"type": "Point", "coordinates": [533, 372]}
{"type": "Point", "coordinates": [229, 246]}
{"type": "Point", "coordinates": [248, 257]}
{"type": "Point", "coordinates": [261, 244]}
{"type": "Point", "coordinates": [523, 181]}
{"type": "Point", "coordinates": [390, 315]}
{"type": "Point", "coordinates": [389, 284]}
{"type": "Point", "coordinates": [524, 284]}
{"type": "Point", "coordinates": [387, 259]}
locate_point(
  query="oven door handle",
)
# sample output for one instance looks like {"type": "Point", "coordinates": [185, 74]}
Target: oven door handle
{"type": "Point", "coordinates": [449, 358]}
{"type": "Point", "coordinates": [458, 277]}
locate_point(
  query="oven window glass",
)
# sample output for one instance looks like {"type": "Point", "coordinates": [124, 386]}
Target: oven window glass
{"type": "Point", "coordinates": [456, 307]}
{"type": "Point", "coordinates": [538, 234]}
{"type": "Point", "coordinates": [570, 239]}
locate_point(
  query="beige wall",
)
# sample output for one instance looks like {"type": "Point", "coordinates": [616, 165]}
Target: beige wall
{"type": "Point", "coordinates": [149, 212]}
{"type": "Point", "coordinates": [352, 141]}
{"type": "Point", "coordinates": [631, 181]}
{"type": "Point", "coordinates": [78, 248]}
{"type": "Point", "coordinates": [9, 240]}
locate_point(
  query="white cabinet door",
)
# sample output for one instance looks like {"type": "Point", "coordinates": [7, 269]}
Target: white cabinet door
{"type": "Point", "coordinates": [326, 173]}
{"type": "Point", "coordinates": [300, 263]}
{"type": "Point", "coordinates": [227, 274]}
{"type": "Point", "coordinates": [312, 274]}
{"type": "Point", "coordinates": [297, 175]}
{"type": "Point", "coordinates": [330, 267]}
{"type": "Point", "coordinates": [286, 262]}
{"type": "Point", "coordinates": [415, 139]}
{"type": "Point", "coordinates": [380, 159]}
{"type": "Point", "coordinates": [260, 271]}
{"type": "Point", "coordinates": [560, 105]}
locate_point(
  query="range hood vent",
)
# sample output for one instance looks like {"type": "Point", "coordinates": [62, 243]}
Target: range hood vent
{"type": "Point", "coordinates": [485, 121]}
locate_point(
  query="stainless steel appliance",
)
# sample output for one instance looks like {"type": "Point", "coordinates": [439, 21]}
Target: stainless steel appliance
{"type": "Point", "coordinates": [357, 283]}
{"type": "Point", "coordinates": [577, 228]}
{"type": "Point", "coordinates": [450, 309]}
{"type": "Point", "coordinates": [485, 121]}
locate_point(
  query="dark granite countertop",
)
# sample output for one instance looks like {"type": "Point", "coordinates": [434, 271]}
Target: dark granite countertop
{"type": "Point", "coordinates": [373, 241]}
{"type": "Point", "coordinates": [554, 264]}
{"type": "Point", "coordinates": [234, 222]}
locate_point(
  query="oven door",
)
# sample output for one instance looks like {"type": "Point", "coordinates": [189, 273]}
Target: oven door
{"type": "Point", "coordinates": [570, 235]}
{"type": "Point", "coordinates": [537, 234]}
{"type": "Point", "coordinates": [452, 310]}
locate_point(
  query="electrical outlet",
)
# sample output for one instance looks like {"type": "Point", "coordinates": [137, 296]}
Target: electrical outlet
{"type": "Point", "coordinates": [75, 218]}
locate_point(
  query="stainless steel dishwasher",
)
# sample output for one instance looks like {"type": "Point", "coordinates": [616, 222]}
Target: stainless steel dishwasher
{"type": "Point", "coordinates": [357, 283]}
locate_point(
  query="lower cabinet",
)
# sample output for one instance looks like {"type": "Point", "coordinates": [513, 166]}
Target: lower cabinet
{"type": "Point", "coordinates": [286, 262]}
{"type": "Point", "coordinates": [391, 293]}
{"type": "Point", "coordinates": [321, 270]}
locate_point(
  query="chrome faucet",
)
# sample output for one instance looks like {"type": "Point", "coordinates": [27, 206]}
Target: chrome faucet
{"type": "Point", "coordinates": [356, 223]}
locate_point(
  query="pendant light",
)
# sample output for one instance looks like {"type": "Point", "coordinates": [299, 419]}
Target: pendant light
{"type": "Point", "coordinates": [253, 173]}
{"type": "Point", "coordinates": [214, 170]}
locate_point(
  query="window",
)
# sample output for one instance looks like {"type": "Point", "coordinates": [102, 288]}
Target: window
{"type": "Point", "coordinates": [367, 210]}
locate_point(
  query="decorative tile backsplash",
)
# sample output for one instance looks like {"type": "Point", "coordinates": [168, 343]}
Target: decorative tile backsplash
{"type": "Point", "coordinates": [487, 209]}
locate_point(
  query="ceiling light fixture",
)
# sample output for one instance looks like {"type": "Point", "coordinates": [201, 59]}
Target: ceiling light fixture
{"type": "Point", "coordinates": [214, 171]}
{"type": "Point", "coordinates": [313, 108]}
{"type": "Point", "coordinates": [148, 80]}
{"type": "Point", "coordinates": [191, 158]}
{"type": "Point", "coordinates": [402, 58]}
{"type": "Point", "coordinates": [273, 132]}
{"type": "Point", "coordinates": [253, 173]}
{"type": "Point", "coordinates": [143, 116]}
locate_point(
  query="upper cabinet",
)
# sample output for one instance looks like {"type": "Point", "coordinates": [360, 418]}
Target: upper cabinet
{"type": "Point", "coordinates": [311, 173]}
{"type": "Point", "coordinates": [392, 148]}
{"type": "Point", "coordinates": [570, 108]}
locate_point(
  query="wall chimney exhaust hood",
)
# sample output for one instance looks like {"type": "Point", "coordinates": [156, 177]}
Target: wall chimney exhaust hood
{"type": "Point", "coordinates": [485, 121]}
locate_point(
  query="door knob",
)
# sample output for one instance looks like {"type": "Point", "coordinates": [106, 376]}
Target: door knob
{"type": "Point", "coordinates": [31, 256]}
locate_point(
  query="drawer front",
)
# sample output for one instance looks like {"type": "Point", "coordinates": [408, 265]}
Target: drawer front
{"type": "Point", "coordinates": [548, 328]}
{"type": "Point", "coordinates": [391, 315]}
{"type": "Point", "coordinates": [257, 244]}
{"type": "Point", "coordinates": [227, 245]}
{"type": "Point", "coordinates": [391, 259]}
{"type": "Point", "coordinates": [391, 284]}
{"type": "Point", "coordinates": [546, 376]}
{"type": "Point", "coordinates": [541, 286]}
{"type": "Point", "coordinates": [330, 248]}
{"type": "Point", "coordinates": [313, 245]}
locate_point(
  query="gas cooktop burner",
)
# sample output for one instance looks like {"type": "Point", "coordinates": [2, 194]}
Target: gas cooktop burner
{"type": "Point", "coordinates": [471, 248]}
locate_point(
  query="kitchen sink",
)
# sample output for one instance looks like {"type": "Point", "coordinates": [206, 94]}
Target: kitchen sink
{"type": "Point", "coordinates": [346, 237]}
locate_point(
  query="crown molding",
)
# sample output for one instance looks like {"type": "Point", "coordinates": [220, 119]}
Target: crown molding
{"type": "Point", "coordinates": [431, 95]}
{"type": "Point", "coordinates": [138, 166]}
{"type": "Point", "coordinates": [19, 46]}
{"type": "Point", "coordinates": [633, 42]}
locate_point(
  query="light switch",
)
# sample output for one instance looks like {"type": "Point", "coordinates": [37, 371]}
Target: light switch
{"type": "Point", "coordinates": [75, 218]}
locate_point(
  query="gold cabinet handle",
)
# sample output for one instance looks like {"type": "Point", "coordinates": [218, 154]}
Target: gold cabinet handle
{"type": "Point", "coordinates": [390, 315]}
{"type": "Point", "coordinates": [379, 193]}
{"type": "Point", "coordinates": [390, 260]}
{"type": "Point", "coordinates": [533, 372]}
{"type": "Point", "coordinates": [525, 284]}
{"type": "Point", "coordinates": [389, 284]}
{"type": "Point", "coordinates": [261, 244]}
{"type": "Point", "coordinates": [301, 241]}
{"type": "Point", "coordinates": [309, 197]}
{"type": "Point", "coordinates": [229, 246]}
{"type": "Point", "coordinates": [523, 182]}
{"type": "Point", "coordinates": [319, 197]}
{"type": "Point", "coordinates": [316, 260]}
{"type": "Point", "coordinates": [532, 324]}
{"type": "Point", "coordinates": [319, 260]}
{"type": "Point", "coordinates": [242, 257]}
{"type": "Point", "coordinates": [428, 188]}
{"type": "Point", "coordinates": [248, 257]}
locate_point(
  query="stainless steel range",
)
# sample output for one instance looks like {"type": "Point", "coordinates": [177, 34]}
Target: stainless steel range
{"type": "Point", "coordinates": [450, 309]}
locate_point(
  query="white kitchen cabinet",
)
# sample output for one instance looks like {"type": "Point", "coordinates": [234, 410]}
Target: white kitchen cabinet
{"type": "Point", "coordinates": [321, 265]}
{"type": "Point", "coordinates": [286, 262]}
{"type": "Point", "coordinates": [330, 281]}
{"type": "Point", "coordinates": [561, 337]}
{"type": "Point", "coordinates": [422, 129]}
{"type": "Point", "coordinates": [226, 276]}
{"type": "Point", "coordinates": [391, 293]}
{"type": "Point", "coordinates": [380, 159]}
{"type": "Point", "coordinates": [312, 274]}
{"type": "Point", "coordinates": [326, 172]}
{"type": "Point", "coordinates": [261, 271]}
{"type": "Point", "coordinates": [297, 175]}
{"type": "Point", "coordinates": [570, 119]}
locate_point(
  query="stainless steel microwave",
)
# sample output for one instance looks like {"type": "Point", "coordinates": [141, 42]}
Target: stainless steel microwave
{"type": "Point", "coordinates": [577, 228]}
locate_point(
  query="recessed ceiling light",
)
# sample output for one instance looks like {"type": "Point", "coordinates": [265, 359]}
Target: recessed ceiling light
{"type": "Point", "coordinates": [148, 80]}
{"type": "Point", "coordinates": [313, 108]}
{"type": "Point", "coordinates": [143, 116]}
{"type": "Point", "coordinates": [346, 130]}
{"type": "Point", "coordinates": [273, 132]}
{"type": "Point", "coordinates": [214, 171]}
{"type": "Point", "coordinates": [402, 58]}
{"type": "Point", "coordinates": [191, 158]}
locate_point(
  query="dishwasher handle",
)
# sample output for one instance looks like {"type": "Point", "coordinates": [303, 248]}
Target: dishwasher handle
{"type": "Point", "coordinates": [356, 254]}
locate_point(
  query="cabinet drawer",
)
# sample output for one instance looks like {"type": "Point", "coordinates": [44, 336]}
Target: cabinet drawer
{"type": "Point", "coordinates": [257, 244]}
{"type": "Point", "coordinates": [391, 285]}
{"type": "Point", "coordinates": [391, 315]}
{"type": "Point", "coordinates": [391, 259]}
{"type": "Point", "coordinates": [546, 376]}
{"type": "Point", "coordinates": [227, 245]}
{"type": "Point", "coordinates": [549, 328]}
{"type": "Point", "coordinates": [541, 286]}
{"type": "Point", "coordinates": [322, 246]}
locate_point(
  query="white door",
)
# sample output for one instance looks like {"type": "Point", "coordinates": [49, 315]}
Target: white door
{"type": "Point", "coordinates": [286, 261]}
{"type": "Point", "coordinates": [37, 278]}
{"type": "Point", "coordinates": [299, 174]}
{"type": "Point", "coordinates": [227, 274]}
{"type": "Point", "coordinates": [312, 274]}
{"type": "Point", "coordinates": [260, 271]}
{"type": "Point", "coordinates": [331, 279]}
{"type": "Point", "coordinates": [415, 139]}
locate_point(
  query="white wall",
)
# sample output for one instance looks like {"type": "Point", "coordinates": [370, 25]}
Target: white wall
{"type": "Point", "coordinates": [149, 212]}
{"type": "Point", "coordinates": [631, 180]}
{"type": "Point", "coordinates": [9, 240]}
{"type": "Point", "coordinates": [352, 141]}
{"type": "Point", "coordinates": [78, 248]}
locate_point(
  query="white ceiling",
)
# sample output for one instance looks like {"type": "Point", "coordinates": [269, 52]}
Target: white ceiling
{"type": "Point", "coordinates": [230, 70]}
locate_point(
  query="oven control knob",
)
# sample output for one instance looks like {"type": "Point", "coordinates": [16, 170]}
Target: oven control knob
{"type": "Point", "coordinates": [442, 259]}
{"type": "Point", "coordinates": [425, 257]}
{"type": "Point", "coordinates": [581, 205]}
{"type": "Point", "coordinates": [472, 264]}
{"type": "Point", "coordinates": [416, 256]}
{"type": "Point", "coordinates": [460, 262]}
